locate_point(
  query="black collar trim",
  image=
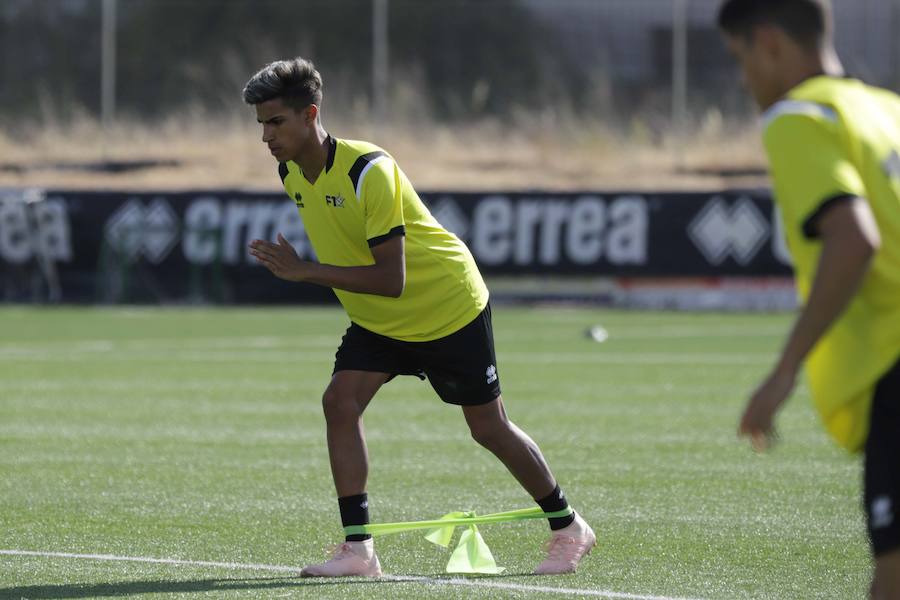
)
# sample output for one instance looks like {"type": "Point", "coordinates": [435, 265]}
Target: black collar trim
{"type": "Point", "coordinates": [332, 149]}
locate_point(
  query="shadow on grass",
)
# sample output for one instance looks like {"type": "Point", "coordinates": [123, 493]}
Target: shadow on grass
{"type": "Point", "coordinates": [128, 588]}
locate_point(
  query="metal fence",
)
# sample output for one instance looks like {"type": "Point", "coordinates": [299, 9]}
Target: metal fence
{"type": "Point", "coordinates": [609, 57]}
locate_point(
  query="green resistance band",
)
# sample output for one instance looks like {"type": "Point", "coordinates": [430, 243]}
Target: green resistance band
{"type": "Point", "coordinates": [472, 554]}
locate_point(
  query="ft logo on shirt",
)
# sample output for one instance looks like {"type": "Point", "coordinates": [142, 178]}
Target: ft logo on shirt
{"type": "Point", "coordinates": [335, 201]}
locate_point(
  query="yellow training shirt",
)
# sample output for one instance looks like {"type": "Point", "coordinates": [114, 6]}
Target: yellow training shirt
{"type": "Point", "coordinates": [361, 199]}
{"type": "Point", "coordinates": [831, 139]}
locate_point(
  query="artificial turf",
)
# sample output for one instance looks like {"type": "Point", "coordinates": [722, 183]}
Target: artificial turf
{"type": "Point", "coordinates": [197, 434]}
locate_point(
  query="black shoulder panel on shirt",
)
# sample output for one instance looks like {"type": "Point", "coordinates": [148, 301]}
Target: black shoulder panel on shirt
{"type": "Point", "coordinates": [360, 164]}
{"type": "Point", "coordinates": [811, 224]}
{"type": "Point", "coordinates": [282, 171]}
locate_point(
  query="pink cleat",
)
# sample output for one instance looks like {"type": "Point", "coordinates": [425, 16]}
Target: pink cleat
{"type": "Point", "coordinates": [350, 559]}
{"type": "Point", "coordinates": [567, 547]}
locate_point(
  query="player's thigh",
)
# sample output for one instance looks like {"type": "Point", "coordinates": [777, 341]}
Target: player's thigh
{"type": "Point", "coordinates": [365, 351]}
{"type": "Point", "coordinates": [350, 391]}
{"type": "Point", "coordinates": [462, 366]}
{"type": "Point", "coordinates": [887, 577]}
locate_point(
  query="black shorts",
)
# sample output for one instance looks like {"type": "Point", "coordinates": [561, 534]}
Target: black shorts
{"type": "Point", "coordinates": [882, 466]}
{"type": "Point", "coordinates": [461, 367]}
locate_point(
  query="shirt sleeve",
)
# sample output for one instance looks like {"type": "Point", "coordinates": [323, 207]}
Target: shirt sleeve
{"type": "Point", "coordinates": [811, 168]}
{"type": "Point", "coordinates": [382, 200]}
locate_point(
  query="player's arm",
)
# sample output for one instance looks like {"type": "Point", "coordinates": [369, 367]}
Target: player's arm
{"type": "Point", "coordinates": [387, 277]}
{"type": "Point", "coordinates": [850, 239]}
{"type": "Point", "coordinates": [821, 196]}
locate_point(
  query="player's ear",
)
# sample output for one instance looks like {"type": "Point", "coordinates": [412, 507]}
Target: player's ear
{"type": "Point", "coordinates": [767, 38]}
{"type": "Point", "coordinates": [310, 113]}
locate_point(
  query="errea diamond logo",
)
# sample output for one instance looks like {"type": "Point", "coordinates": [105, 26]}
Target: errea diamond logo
{"type": "Point", "coordinates": [720, 230]}
{"type": "Point", "coordinates": [151, 231]}
{"type": "Point", "coordinates": [123, 229]}
{"type": "Point", "coordinates": [451, 217]}
{"type": "Point", "coordinates": [161, 233]}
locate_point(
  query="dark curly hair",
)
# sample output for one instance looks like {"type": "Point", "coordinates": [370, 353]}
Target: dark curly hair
{"type": "Point", "coordinates": [806, 21]}
{"type": "Point", "coordinates": [296, 81]}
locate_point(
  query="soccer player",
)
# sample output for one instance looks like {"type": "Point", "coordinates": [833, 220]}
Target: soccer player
{"type": "Point", "coordinates": [833, 145]}
{"type": "Point", "coordinates": [416, 302]}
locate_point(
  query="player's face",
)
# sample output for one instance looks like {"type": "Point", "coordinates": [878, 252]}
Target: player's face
{"type": "Point", "coordinates": [285, 130]}
{"type": "Point", "coordinates": [759, 67]}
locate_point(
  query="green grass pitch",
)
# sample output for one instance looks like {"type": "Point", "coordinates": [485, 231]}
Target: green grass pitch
{"type": "Point", "coordinates": [197, 435]}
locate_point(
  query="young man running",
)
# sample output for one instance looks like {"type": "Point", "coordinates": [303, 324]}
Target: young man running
{"type": "Point", "coordinates": [416, 302]}
{"type": "Point", "coordinates": [833, 145]}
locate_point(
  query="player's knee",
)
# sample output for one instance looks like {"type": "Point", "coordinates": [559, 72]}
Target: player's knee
{"type": "Point", "coordinates": [339, 406]}
{"type": "Point", "coordinates": [489, 433]}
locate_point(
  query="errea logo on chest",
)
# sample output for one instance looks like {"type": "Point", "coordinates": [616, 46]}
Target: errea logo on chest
{"type": "Point", "coordinates": [334, 201]}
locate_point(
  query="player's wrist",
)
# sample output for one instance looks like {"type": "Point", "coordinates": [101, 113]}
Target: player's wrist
{"type": "Point", "coordinates": [787, 368]}
{"type": "Point", "coordinates": [305, 271]}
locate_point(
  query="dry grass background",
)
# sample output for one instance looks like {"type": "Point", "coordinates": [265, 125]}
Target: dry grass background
{"type": "Point", "coordinates": [530, 152]}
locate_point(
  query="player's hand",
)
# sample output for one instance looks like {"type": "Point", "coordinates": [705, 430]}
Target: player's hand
{"type": "Point", "coordinates": [281, 258]}
{"type": "Point", "coordinates": [758, 421]}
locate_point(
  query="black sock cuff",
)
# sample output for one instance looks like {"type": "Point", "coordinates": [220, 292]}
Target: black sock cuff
{"type": "Point", "coordinates": [554, 502]}
{"type": "Point", "coordinates": [355, 511]}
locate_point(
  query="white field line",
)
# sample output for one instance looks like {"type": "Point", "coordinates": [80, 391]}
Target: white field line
{"type": "Point", "coordinates": [397, 578]}
{"type": "Point", "coordinates": [164, 561]}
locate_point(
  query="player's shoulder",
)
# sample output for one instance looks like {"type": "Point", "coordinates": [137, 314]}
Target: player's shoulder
{"type": "Point", "coordinates": [819, 101]}
{"type": "Point", "coordinates": [356, 158]}
{"type": "Point", "coordinates": [798, 113]}
{"type": "Point", "coordinates": [829, 106]}
{"type": "Point", "coordinates": [351, 151]}
{"type": "Point", "coordinates": [887, 100]}
{"type": "Point", "coordinates": [799, 122]}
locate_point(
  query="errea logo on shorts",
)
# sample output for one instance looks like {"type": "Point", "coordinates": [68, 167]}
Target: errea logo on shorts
{"type": "Point", "coordinates": [882, 512]}
{"type": "Point", "coordinates": [491, 374]}
{"type": "Point", "coordinates": [892, 165]}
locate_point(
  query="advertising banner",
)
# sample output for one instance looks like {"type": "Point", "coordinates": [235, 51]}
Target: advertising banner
{"type": "Point", "coordinates": [82, 246]}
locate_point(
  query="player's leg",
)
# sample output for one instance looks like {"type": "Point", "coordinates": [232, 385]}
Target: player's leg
{"type": "Point", "coordinates": [462, 369]}
{"type": "Point", "coordinates": [344, 402]}
{"type": "Point", "coordinates": [886, 583]}
{"type": "Point", "coordinates": [572, 537]}
{"type": "Point", "coordinates": [492, 429]}
{"type": "Point", "coordinates": [882, 486]}
{"type": "Point", "coordinates": [363, 363]}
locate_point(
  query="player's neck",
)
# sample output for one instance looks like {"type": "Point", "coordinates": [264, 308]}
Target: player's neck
{"type": "Point", "coordinates": [314, 155]}
{"type": "Point", "coordinates": [824, 62]}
